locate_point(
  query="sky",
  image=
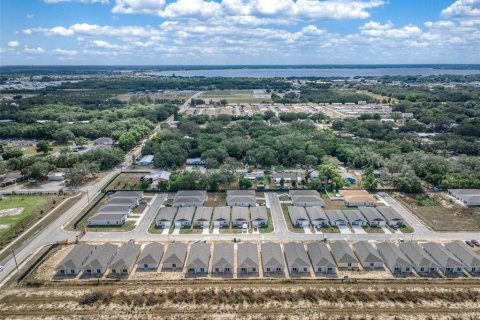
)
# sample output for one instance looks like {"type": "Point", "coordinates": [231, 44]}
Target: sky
{"type": "Point", "coordinates": [216, 32]}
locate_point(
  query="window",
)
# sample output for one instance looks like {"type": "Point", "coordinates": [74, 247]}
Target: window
{"type": "Point", "coordinates": [254, 269]}
{"type": "Point", "coordinates": [407, 269]}
{"type": "Point", "coordinates": [305, 269]}
{"type": "Point", "coordinates": [279, 269]}
{"type": "Point", "coordinates": [329, 269]}
{"type": "Point", "coordinates": [227, 269]}
{"type": "Point", "coordinates": [268, 269]}
{"type": "Point", "coordinates": [217, 269]}
{"type": "Point", "coordinates": [174, 265]}
{"type": "Point", "coordinates": [293, 269]}
{"type": "Point", "coordinates": [62, 271]}
{"type": "Point", "coordinates": [125, 270]}
{"type": "Point", "coordinates": [114, 270]}
{"type": "Point", "coordinates": [99, 271]}
{"type": "Point", "coordinates": [89, 271]}
{"type": "Point", "coordinates": [191, 270]}
{"type": "Point", "coordinates": [319, 269]}
{"type": "Point", "coordinates": [145, 266]}
{"type": "Point", "coordinates": [202, 270]}
{"type": "Point", "coordinates": [243, 269]}
{"type": "Point", "coordinates": [422, 269]}
{"type": "Point", "coordinates": [396, 269]}
{"type": "Point", "coordinates": [371, 264]}
{"type": "Point", "coordinates": [72, 271]}
{"type": "Point", "coordinates": [349, 264]}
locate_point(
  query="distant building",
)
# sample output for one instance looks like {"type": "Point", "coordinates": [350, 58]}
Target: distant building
{"type": "Point", "coordinates": [196, 162]}
{"type": "Point", "coordinates": [146, 160]}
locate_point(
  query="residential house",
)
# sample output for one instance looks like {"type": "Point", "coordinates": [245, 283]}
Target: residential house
{"type": "Point", "coordinates": [105, 219]}
{"type": "Point", "coordinates": [255, 175]}
{"type": "Point", "coordinates": [116, 208]}
{"type": "Point", "coordinates": [449, 264]}
{"type": "Point", "coordinates": [240, 216]}
{"type": "Point", "coordinates": [202, 216]}
{"type": "Point", "coordinates": [241, 198]}
{"type": "Point", "coordinates": [74, 260]}
{"type": "Point", "coordinates": [336, 217]}
{"type": "Point", "coordinates": [100, 259]}
{"type": "Point", "coordinates": [422, 262]}
{"type": "Point", "coordinates": [317, 216]}
{"type": "Point", "coordinates": [118, 201]}
{"type": "Point", "coordinates": [321, 258]}
{"type": "Point", "coordinates": [247, 258]}
{"type": "Point", "coordinates": [196, 162]}
{"type": "Point", "coordinates": [222, 259]}
{"type": "Point", "coordinates": [158, 175]}
{"type": "Point", "coordinates": [344, 256]}
{"type": "Point", "coordinates": [306, 198]}
{"type": "Point", "coordinates": [103, 142]}
{"type": "Point", "coordinates": [259, 216]}
{"type": "Point", "coordinates": [313, 174]}
{"type": "Point", "coordinates": [395, 260]}
{"type": "Point", "coordinates": [272, 258]}
{"type": "Point", "coordinates": [221, 217]}
{"type": "Point", "coordinates": [296, 257]}
{"type": "Point", "coordinates": [373, 216]}
{"type": "Point", "coordinates": [470, 197]}
{"type": "Point", "coordinates": [393, 218]}
{"type": "Point", "coordinates": [184, 217]}
{"type": "Point", "coordinates": [150, 257]}
{"type": "Point", "coordinates": [198, 258]}
{"type": "Point", "coordinates": [128, 194]}
{"type": "Point", "coordinates": [355, 217]}
{"type": "Point", "coordinates": [287, 177]}
{"type": "Point", "coordinates": [146, 160]}
{"type": "Point", "coordinates": [298, 216]}
{"type": "Point", "coordinates": [125, 259]}
{"type": "Point", "coordinates": [367, 255]}
{"type": "Point", "coordinates": [174, 258]}
{"type": "Point", "coordinates": [57, 175]}
{"type": "Point", "coordinates": [355, 198]}
{"type": "Point", "coordinates": [470, 259]}
{"type": "Point", "coordinates": [11, 177]}
{"type": "Point", "coordinates": [194, 198]}
{"type": "Point", "coordinates": [165, 217]}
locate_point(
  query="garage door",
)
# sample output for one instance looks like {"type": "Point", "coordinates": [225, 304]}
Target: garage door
{"type": "Point", "coordinates": [216, 223]}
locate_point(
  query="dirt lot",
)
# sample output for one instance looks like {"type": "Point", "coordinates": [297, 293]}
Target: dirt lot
{"type": "Point", "coordinates": [216, 199]}
{"type": "Point", "coordinates": [125, 181]}
{"type": "Point", "coordinates": [246, 299]}
{"type": "Point", "coordinates": [444, 216]}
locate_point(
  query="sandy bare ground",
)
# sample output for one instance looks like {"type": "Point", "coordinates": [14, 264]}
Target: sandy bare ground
{"type": "Point", "coordinates": [270, 300]}
{"type": "Point", "coordinates": [11, 212]}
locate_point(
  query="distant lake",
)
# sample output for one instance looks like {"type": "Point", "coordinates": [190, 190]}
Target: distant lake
{"type": "Point", "coordinates": [316, 72]}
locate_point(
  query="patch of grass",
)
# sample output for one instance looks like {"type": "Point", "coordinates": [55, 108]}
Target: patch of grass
{"type": "Point", "coordinates": [406, 228]}
{"type": "Point", "coordinates": [186, 230]}
{"type": "Point", "coordinates": [425, 201]}
{"type": "Point", "coordinates": [127, 226]}
{"type": "Point", "coordinates": [369, 229]}
{"type": "Point", "coordinates": [269, 227]}
{"type": "Point", "coordinates": [329, 229]}
{"type": "Point", "coordinates": [290, 226]}
{"type": "Point", "coordinates": [29, 203]}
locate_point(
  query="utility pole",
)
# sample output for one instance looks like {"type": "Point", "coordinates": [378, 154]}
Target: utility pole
{"type": "Point", "coordinates": [15, 259]}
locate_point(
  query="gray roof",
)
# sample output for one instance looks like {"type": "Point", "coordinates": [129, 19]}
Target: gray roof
{"type": "Point", "coordinates": [126, 256]}
{"type": "Point", "coordinates": [371, 213]}
{"type": "Point", "coordinates": [295, 254]}
{"type": "Point", "coordinates": [101, 257]}
{"type": "Point", "coordinates": [203, 213]}
{"type": "Point", "coordinates": [192, 197]}
{"type": "Point", "coordinates": [465, 192]}
{"type": "Point", "coordinates": [316, 213]}
{"type": "Point", "coordinates": [417, 255]}
{"type": "Point", "coordinates": [389, 213]}
{"type": "Point", "coordinates": [297, 213]}
{"type": "Point", "coordinates": [366, 253]}
{"type": "Point", "coordinates": [259, 213]}
{"type": "Point", "coordinates": [128, 194]}
{"type": "Point", "coordinates": [393, 256]}
{"type": "Point", "coordinates": [185, 213]}
{"type": "Point", "coordinates": [240, 193]}
{"type": "Point", "coordinates": [247, 255]}
{"type": "Point", "coordinates": [199, 255]}
{"type": "Point", "coordinates": [285, 175]}
{"type": "Point", "coordinates": [175, 253]}
{"type": "Point", "coordinates": [121, 201]}
{"type": "Point", "coordinates": [464, 253]}
{"type": "Point", "coordinates": [108, 216]}
{"type": "Point", "coordinates": [334, 215]}
{"type": "Point", "coordinates": [115, 208]}
{"type": "Point", "coordinates": [303, 193]}
{"type": "Point", "coordinates": [166, 214]}
{"type": "Point", "coordinates": [221, 213]}
{"type": "Point", "coordinates": [342, 252]}
{"type": "Point", "coordinates": [77, 256]}
{"type": "Point", "coordinates": [223, 255]}
{"type": "Point", "coordinates": [353, 215]}
{"type": "Point", "coordinates": [440, 254]}
{"type": "Point", "coordinates": [151, 253]}
{"type": "Point", "coordinates": [233, 200]}
{"type": "Point", "coordinates": [307, 200]}
{"type": "Point", "coordinates": [240, 213]}
{"type": "Point", "coordinates": [272, 255]}
{"type": "Point", "coordinates": [319, 255]}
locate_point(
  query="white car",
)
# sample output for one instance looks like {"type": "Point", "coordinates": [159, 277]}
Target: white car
{"type": "Point", "coordinates": [1, 268]}
{"type": "Point", "coordinates": [245, 228]}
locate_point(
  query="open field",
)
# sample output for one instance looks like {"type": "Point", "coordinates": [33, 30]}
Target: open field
{"type": "Point", "coordinates": [232, 96]}
{"type": "Point", "coordinates": [125, 181]}
{"type": "Point", "coordinates": [444, 216]}
{"type": "Point", "coordinates": [246, 299]}
{"type": "Point", "coordinates": [27, 203]}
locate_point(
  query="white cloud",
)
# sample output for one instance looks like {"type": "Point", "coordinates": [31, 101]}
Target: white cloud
{"type": "Point", "coordinates": [267, 11]}
{"type": "Point", "coordinates": [462, 9]}
{"type": "Point", "coordinates": [29, 16]}
{"type": "Point", "coordinates": [13, 44]}
{"type": "Point", "coordinates": [36, 50]}
{"type": "Point", "coordinates": [65, 52]}
{"type": "Point", "coordinates": [387, 30]}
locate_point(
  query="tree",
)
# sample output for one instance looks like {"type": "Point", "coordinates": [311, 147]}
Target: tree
{"type": "Point", "coordinates": [369, 180]}
{"type": "Point", "coordinates": [11, 154]}
{"type": "Point", "coordinates": [81, 172]}
{"type": "Point", "coordinates": [268, 115]}
{"type": "Point", "coordinates": [43, 146]}
{"type": "Point", "coordinates": [37, 171]}
{"type": "Point", "coordinates": [63, 136]}
{"type": "Point", "coordinates": [81, 141]}
{"type": "Point", "coordinates": [244, 183]}
{"type": "Point", "coordinates": [3, 168]}
{"type": "Point", "coordinates": [126, 141]}
{"type": "Point", "coordinates": [282, 182]}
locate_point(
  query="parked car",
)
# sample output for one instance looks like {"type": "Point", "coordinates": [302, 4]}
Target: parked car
{"type": "Point", "coordinates": [468, 242]}
{"type": "Point", "coordinates": [475, 243]}
{"type": "Point", "coordinates": [1, 268]}
{"type": "Point", "coordinates": [401, 240]}
{"type": "Point", "coordinates": [245, 228]}
{"type": "Point", "coordinates": [255, 228]}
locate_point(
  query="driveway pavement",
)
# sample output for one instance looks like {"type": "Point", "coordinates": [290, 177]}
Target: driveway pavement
{"type": "Point", "coordinates": [344, 230]}
{"type": "Point", "coordinates": [358, 230]}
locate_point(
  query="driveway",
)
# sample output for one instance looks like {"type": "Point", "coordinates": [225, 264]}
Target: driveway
{"type": "Point", "coordinates": [344, 229]}
{"type": "Point", "coordinates": [386, 230]}
{"type": "Point", "coordinates": [176, 230]}
{"type": "Point", "coordinates": [206, 230]}
{"type": "Point", "coordinates": [165, 230]}
{"type": "Point", "coordinates": [358, 230]}
{"type": "Point", "coordinates": [216, 230]}
{"type": "Point", "coordinates": [307, 230]}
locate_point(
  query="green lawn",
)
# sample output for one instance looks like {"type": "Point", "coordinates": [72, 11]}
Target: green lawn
{"type": "Point", "coordinates": [407, 229]}
{"type": "Point", "coordinates": [269, 227]}
{"type": "Point", "coordinates": [29, 203]}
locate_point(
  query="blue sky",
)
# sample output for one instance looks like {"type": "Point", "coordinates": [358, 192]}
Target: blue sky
{"type": "Point", "coordinates": [239, 31]}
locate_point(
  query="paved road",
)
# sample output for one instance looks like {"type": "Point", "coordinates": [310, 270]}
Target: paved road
{"type": "Point", "coordinates": [151, 213]}
{"type": "Point", "coordinates": [279, 223]}
{"type": "Point", "coordinates": [186, 105]}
